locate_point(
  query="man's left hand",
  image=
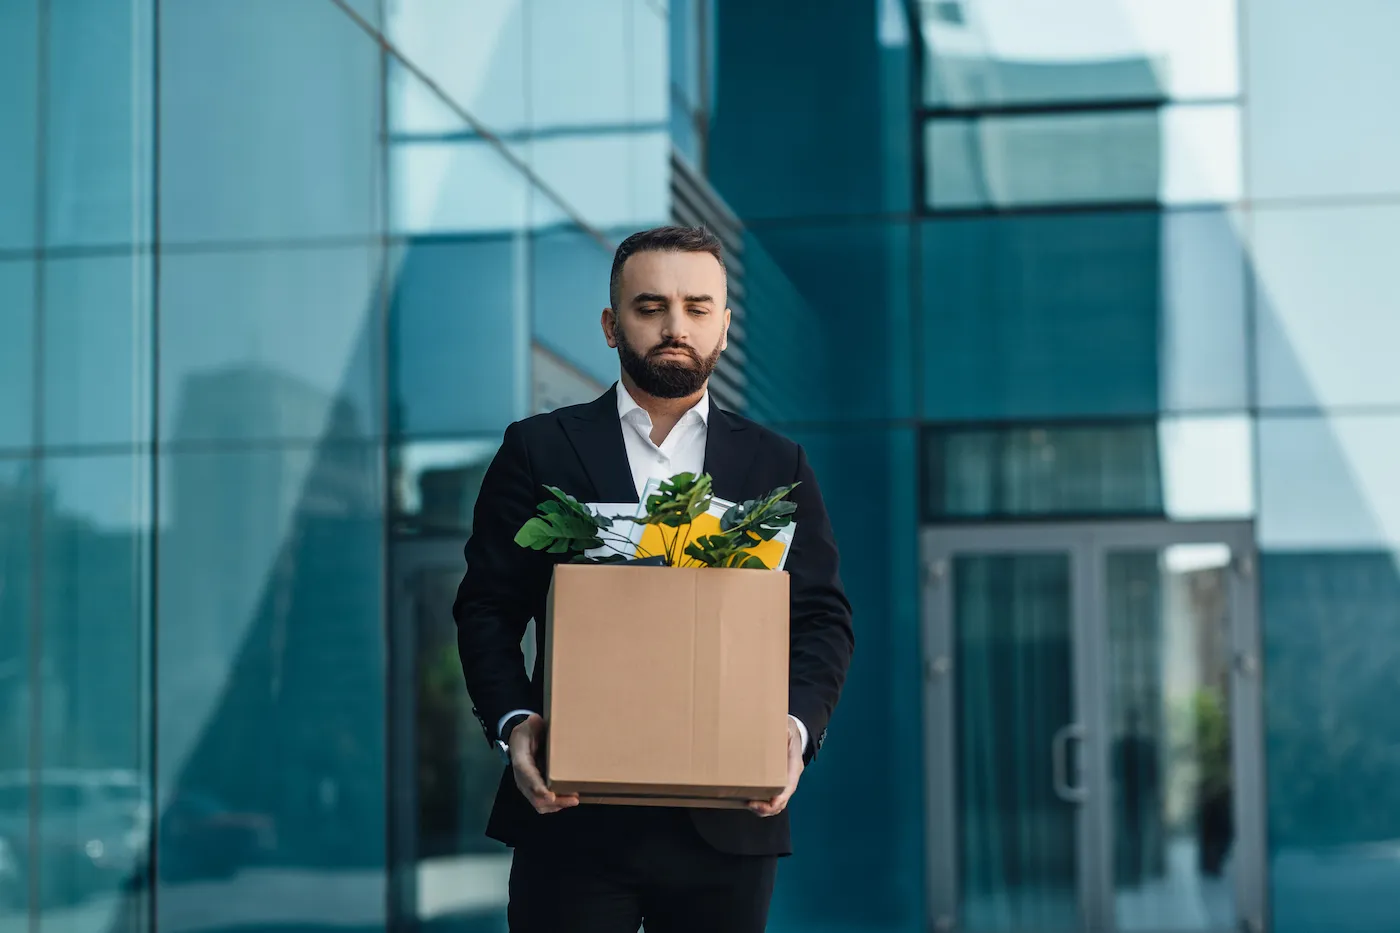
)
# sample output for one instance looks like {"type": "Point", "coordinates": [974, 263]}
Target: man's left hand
{"type": "Point", "coordinates": [779, 803]}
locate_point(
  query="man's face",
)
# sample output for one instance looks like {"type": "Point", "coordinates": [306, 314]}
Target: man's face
{"type": "Point", "coordinates": [672, 322]}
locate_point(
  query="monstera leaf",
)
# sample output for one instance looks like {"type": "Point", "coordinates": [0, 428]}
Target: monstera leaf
{"type": "Point", "coordinates": [679, 501]}
{"type": "Point", "coordinates": [563, 524]}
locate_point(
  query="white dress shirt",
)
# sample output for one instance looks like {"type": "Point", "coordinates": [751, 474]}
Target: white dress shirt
{"type": "Point", "coordinates": [681, 451]}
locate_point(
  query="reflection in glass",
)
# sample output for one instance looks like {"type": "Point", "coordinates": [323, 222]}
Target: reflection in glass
{"type": "Point", "coordinates": [474, 51]}
{"type": "Point", "coordinates": [989, 52]}
{"type": "Point", "coordinates": [1329, 484]}
{"type": "Point", "coordinates": [1182, 468]}
{"type": "Point", "coordinates": [97, 360]}
{"type": "Point", "coordinates": [1320, 131]}
{"type": "Point", "coordinates": [98, 186]}
{"type": "Point", "coordinates": [94, 816]}
{"type": "Point", "coordinates": [434, 486]}
{"type": "Point", "coordinates": [16, 565]}
{"type": "Point", "coordinates": [17, 353]}
{"type": "Point", "coordinates": [19, 99]}
{"type": "Point", "coordinates": [568, 291]}
{"type": "Point", "coordinates": [1017, 843]}
{"type": "Point", "coordinates": [269, 122]}
{"type": "Point", "coordinates": [1169, 667]}
{"type": "Point", "coordinates": [270, 344]}
{"type": "Point", "coordinates": [459, 334]}
{"type": "Point", "coordinates": [271, 687]}
{"type": "Point", "coordinates": [1176, 155]}
{"type": "Point", "coordinates": [1327, 321]}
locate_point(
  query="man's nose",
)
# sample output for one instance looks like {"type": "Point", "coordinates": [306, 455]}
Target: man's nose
{"type": "Point", "coordinates": [677, 324]}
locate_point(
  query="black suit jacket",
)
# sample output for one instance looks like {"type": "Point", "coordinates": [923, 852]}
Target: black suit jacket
{"type": "Point", "coordinates": [580, 450]}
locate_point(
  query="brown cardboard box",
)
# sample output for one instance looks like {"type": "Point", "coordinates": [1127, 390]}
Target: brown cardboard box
{"type": "Point", "coordinates": [666, 685]}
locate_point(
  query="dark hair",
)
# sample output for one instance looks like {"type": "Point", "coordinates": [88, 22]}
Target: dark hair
{"type": "Point", "coordinates": [661, 240]}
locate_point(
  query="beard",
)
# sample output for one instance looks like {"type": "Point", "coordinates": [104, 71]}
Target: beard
{"type": "Point", "coordinates": [666, 378]}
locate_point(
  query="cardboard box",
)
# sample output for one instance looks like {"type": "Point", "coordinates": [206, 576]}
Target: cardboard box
{"type": "Point", "coordinates": [666, 685]}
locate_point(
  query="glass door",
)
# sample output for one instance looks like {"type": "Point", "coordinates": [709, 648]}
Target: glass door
{"type": "Point", "coordinates": [1092, 729]}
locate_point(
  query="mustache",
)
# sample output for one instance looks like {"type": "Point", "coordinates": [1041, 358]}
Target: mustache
{"type": "Point", "coordinates": [672, 345]}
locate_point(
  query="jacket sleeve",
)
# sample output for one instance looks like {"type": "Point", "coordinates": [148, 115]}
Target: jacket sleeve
{"type": "Point", "coordinates": [822, 639]}
{"type": "Point", "coordinates": [492, 608]}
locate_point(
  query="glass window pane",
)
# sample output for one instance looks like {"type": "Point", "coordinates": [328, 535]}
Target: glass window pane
{"type": "Point", "coordinates": [987, 52]}
{"type": "Point", "coordinates": [1170, 662]}
{"type": "Point", "coordinates": [16, 567]}
{"type": "Point", "coordinates": [271, 686]}
{"type": "Point", "coordinates": [472, 50]}
{"type": "Point", "coordinates": [270, 344]}
{"type": "Point", "coordinates": [1332, 737]}
{"type": "Point", "coordinates": [19, 101]}
{"type": "Point", "coordinates": [17, 354]}
{"type": "Point", "coordinates": [1328, 484]}
{"type": "Point", "coordinates": [1177, 155]}
{"type": "Point", "coordinates": [97, 351]}
{"type": "Point", "coordinates": [1018, 851]}
{"type": "Point", "coordinates": [435, 484]}
{"type": "Point", "coordinates": [1327, 319]}
{"type": "Point", "coordinates": [269, 122]}
{"type": "Point", "coordinates": [1178, 468]}
{"type": "Point", "coordinates": [1042, 315]}
{"type": "Point", "coordinates": [1321, 131]}
{"type": "Point", "coordinates": [99, 122]}
{"type": "Point", "coordinates": [578, 64]}
{"type": "Point", "coordinates": [569, 272]}
{"type": "Point", "coordinates": [1202, 353]}
{"type": "Point", "coordinates": [838, 268]}
{"type": "Point", "coordinates": [93, 723]}
{"type": "Point", "coordinates": [460, 337]}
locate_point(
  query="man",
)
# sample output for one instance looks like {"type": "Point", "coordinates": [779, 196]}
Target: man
{"type": "Point", "coordinates": [606, 869]}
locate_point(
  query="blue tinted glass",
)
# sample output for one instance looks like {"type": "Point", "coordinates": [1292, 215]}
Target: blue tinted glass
{"type": "Point", "coordinates": [459, 335]}
{"type": "Point", "coordinates": [1331, 734]}
{"type": "Point", "coordinates": [271, 686]}
{"type": "Point", "coordinates": [16, 566]}
{"type": "Point", "coordinates": [474, 53]}
{"type": "Point", "coordinates": [867, 482]}
{"type": "Point", "coordinates": [17, 353]}
{"type": "Point", "coordinates": [443, 176]}
{"type": "Point", "coordinates": [19, 96]}
{"type": "Point", "coordinates": [771, 160]}
{"type": "Point", "coordinates": [97, 351]}
{"type": "Point", "coordinates": [268, 123]}
{"type": "Point", "coordinates": [99, 122]}
{"type": "Point", "coordinates": [96, 524]}
{"type": "Point", "coordinates": [1171, 155]}
{"type": "Point", "coordinates": [1322, 131]}
{"type": "Point", "coordinates": [1325, 306]}
{"type": "Point", "coordinates": [569, 289]}
{"type": "Point", "coordinates": [1008, 52]}
{"type": "Point", "coordinates": [1041, 315]}
{"type": "Point", "coordinates": [435, 485]}
{"type": "Point", "coordinates": [856, 280]}
{"type": "Point", "coordinates": [278, 344]}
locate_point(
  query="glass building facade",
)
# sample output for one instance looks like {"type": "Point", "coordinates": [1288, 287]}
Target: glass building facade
{"type": "Point", "coordinates": [276, 274]}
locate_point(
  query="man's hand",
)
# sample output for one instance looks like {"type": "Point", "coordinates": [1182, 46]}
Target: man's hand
{"type": "Point", "coordinates": [779, 803]}
{"type": "Point", "coordinates": [524, 741]}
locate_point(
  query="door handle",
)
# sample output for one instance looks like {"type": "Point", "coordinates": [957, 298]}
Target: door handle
{"type": "Point", "coordinates": [1059, 763]}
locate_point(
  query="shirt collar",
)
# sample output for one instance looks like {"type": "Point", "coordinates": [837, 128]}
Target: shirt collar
{"type": "Point", "coordinates": [627, 405]}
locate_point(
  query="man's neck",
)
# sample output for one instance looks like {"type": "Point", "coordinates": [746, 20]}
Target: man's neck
{"type": "Point", "coordinates": [664, 412]}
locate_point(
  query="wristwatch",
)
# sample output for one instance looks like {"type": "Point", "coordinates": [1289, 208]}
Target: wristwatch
{"type": "Point", "coordinates": [502, 745]}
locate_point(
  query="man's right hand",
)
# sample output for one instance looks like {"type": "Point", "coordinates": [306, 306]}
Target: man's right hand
{"type": "Point", "coordinates": [525, 741]}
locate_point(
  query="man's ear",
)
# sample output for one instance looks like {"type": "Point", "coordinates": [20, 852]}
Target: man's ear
{"type": "Point", "coordinates": [609, 322]}
{"type": "Point", "coordinates": [724, 338]}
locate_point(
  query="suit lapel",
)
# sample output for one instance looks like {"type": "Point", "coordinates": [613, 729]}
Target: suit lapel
{"type": "Point", "coordinates": [729, 454]}
{"type": "Point", "coordinates": [596, 435]}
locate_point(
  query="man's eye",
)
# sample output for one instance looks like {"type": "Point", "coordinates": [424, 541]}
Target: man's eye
{"type": "Point", "coordinates": [652, 310]}
{"type": "Point", "coordinates": [699, 310]}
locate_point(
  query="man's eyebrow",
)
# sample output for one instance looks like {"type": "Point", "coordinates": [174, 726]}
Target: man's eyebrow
{"type": "Point", "coordinates": [643, 298]}
{"type": "Point", "coordinates": [699, 300]}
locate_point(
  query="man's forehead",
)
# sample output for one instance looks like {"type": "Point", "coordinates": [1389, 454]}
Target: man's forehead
{"type": "Point", "coordinates": [674, 273]}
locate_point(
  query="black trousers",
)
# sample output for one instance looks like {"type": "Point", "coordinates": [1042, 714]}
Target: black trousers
{"type": "Point", "coordinates": [614, 869]}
